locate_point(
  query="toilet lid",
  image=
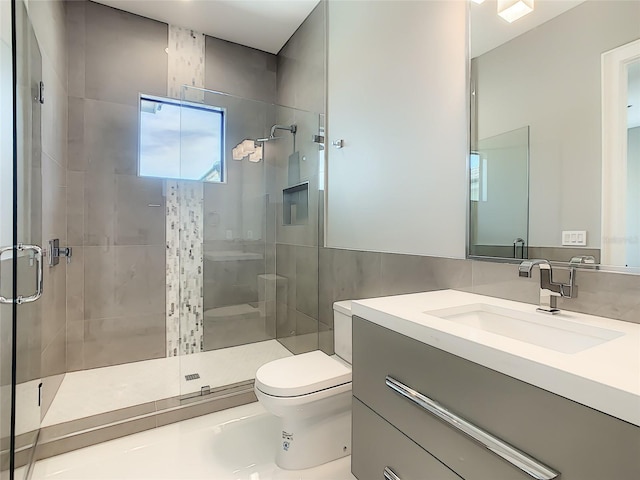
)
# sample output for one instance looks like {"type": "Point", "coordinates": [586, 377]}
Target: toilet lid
{"type": "Point", "coordinates": [301, 375]}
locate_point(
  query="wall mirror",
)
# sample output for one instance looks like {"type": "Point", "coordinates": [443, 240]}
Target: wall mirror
{"type": "Point", "coordinates": [555, 138]}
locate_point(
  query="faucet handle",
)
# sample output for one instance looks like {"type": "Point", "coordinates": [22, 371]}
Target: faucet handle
{"type": "Point", "coordinates": [524, 270]}
{"type": "Point", "coordinates": [570, 290]}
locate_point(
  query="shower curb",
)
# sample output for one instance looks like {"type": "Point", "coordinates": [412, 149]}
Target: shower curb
{"type": "Point", "coordinates": [75, 435]}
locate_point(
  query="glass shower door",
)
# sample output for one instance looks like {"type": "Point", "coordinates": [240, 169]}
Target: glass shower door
{"type": "Point", "coordinates": [245, 239]}
{"type": "Point", "coordinates": [221, 243]}
{"type": "Point", "coordinates": [6, 235]}
{"type": "Point", "coordinates": [20, 235]}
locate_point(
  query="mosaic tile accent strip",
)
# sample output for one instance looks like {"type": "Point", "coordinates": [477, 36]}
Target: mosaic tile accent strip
{"type": "Point", "coordinates": [191, 224]}
{"type": "Point", "coordinates": [186, 62]}
{"type": "Point", "coordinates": [173, 267]}
{"type": "Point", "coordinates": [185, 258]}
{"type": "Point", "coordinates": [184, 220]}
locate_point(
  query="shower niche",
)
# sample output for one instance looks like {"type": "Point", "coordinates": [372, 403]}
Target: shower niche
{"type": "Point", "coordinates": [295, 204]}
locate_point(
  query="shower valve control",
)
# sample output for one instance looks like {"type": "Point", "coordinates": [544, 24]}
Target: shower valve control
{"type": "Point", "coordinates": [56, 251]}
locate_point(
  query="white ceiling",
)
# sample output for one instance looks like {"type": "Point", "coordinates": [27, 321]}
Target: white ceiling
{"type": "Point", "coordinates": [262, 24]}
{"type": "Point", "coordinates": [488, 30]}
{"type": "Point", "coordinates": [268, 24]}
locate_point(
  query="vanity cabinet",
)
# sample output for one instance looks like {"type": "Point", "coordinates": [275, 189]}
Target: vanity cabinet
{"type": "Point", "coordinates": [578, 442]}
{"type": "Point", "coordinates": [397, 453]}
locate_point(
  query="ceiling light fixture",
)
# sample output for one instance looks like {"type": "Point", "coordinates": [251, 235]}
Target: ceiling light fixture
{"type": "Point", "coordinates": [512, 10]}
{"type": "Point", "coordinates": [478, 1]}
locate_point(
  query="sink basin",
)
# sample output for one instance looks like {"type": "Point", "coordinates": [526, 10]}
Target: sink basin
{"type": "Point", "coordinates": [550, 332]}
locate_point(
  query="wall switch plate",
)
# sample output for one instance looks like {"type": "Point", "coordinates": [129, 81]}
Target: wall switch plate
{"type": "Point", "coordinates": [574, 238]}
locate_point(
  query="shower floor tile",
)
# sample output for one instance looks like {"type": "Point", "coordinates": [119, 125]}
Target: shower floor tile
{"type": "Point", "coordinates": [100, 390]}
{"type": "Point", "coordinates": [234, 444]}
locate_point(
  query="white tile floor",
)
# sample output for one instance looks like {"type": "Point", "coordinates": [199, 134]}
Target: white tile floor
{"type": "Point", "coordinates": [235, 444]}
{"type": "Point", "coordinates": [90, 392]}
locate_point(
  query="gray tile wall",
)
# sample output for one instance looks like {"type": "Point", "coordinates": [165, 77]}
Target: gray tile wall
{"type": "Point", "coordinates": [351, 274]}
{"type": "Point", "coordinates": [235, 213]}
{"type": "Point", "coordinates": [239, 70]}
{"type": "Point", "coordinates": [297, 308]}
{"type": "Point", "coordinates": [301, 65]}
{"type": "Point", "coordinates": [116, 294]}
{"type": "Point", "coordinates": [115, 281]}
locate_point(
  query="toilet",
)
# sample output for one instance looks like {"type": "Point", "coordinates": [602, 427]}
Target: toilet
{"type": "Point", "coordinates": [311, 396]}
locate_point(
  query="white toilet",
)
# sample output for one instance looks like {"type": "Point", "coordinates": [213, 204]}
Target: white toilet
{"type": "Point", "coordinates": [311, 394]}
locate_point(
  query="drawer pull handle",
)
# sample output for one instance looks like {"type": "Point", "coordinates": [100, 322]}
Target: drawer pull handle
{"type": "Point", "coordinates": [517, 458]}
{"type": "Point", "coordinates": [390, 474]}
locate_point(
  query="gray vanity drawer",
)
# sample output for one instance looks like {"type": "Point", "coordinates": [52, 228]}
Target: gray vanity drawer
{"type": "Point", "coordinates": [578, 442]}
{"type": "Point", "coordinates": [378, 445]}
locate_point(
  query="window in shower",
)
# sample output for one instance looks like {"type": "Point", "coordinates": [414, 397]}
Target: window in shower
{"type": "Point", "coordinates": [180, 140]}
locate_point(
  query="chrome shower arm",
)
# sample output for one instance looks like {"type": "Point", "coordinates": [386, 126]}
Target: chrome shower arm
{"type": "Point", "coordinates": [290, 128]}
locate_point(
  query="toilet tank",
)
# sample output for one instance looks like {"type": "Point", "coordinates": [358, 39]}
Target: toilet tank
{"type": "Point", "coordinates": [342, 329]}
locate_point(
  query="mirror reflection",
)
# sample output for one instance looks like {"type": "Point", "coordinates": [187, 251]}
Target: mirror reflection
{"type": "Point", "coordinates": [499, 175]}
{"type": "Point", "coordinates": [546, 77]}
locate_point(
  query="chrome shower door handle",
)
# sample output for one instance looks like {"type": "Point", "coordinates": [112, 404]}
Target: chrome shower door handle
{"type": "Point", "coordinates": [21, 247]}
{"type": "Point", "coordinates": [38, 254]}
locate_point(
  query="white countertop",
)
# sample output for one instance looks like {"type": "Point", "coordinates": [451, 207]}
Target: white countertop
{"type": "Point", "coordinates": [605, 377]}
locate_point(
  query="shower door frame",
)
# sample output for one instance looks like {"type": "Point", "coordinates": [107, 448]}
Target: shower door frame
{"type": "Point", "coordinates": [26, 180]}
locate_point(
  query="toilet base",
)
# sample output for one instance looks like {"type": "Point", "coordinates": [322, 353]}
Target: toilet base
{"type": "Point", "coordinates": [308, 442]}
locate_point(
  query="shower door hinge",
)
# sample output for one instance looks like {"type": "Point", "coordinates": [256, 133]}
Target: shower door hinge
{"type": "Point", "coordinates": [41, 92]}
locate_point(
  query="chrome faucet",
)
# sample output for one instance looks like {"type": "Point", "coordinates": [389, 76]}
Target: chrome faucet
{"type": "Point", "coordinates": [549, 290]}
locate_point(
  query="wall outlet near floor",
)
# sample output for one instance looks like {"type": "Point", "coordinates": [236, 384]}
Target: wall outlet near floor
{"type": "Point", "coordinates": [574, 237]}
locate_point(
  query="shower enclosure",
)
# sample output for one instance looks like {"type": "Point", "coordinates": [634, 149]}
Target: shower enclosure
{"type": "Point", "coordinates": [226, 268]}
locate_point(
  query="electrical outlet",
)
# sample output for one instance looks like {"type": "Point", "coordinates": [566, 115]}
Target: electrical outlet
{"type": "Point", "coordinates": [574, 238]}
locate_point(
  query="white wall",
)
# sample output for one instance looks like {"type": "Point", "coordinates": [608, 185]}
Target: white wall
{"type": "Point", "coordinates": [633, 197]}
{"type": "Point", "coordinates": [397, 95]}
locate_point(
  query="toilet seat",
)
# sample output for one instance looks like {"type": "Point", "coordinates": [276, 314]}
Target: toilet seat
{"type": "Point", "coordinates": [301, 375]}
